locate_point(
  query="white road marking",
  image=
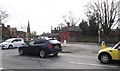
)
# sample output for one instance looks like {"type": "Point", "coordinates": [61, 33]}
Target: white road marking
{"type": "Point", "coordinates": [41, 59]}
{"type": "Point", "coordinates": [93, 64]}
{"type": "Point", "coordinates": [37, 59]}
{"type": "Point", "coordinates": [1, 68]}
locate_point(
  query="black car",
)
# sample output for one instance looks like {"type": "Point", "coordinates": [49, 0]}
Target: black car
{"type": "Point", "coordinates": [42, 47]}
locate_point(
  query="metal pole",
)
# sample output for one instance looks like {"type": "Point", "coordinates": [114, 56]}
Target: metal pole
{"type": "Point", "coordinates": [99, 34]}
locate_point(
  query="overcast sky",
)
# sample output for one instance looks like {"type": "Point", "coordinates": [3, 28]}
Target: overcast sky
{"type": "Point", "coordinates": [42, 14]}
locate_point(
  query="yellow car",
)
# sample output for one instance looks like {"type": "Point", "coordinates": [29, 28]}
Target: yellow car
{"type": "Point", "coordinates": [108, 54]}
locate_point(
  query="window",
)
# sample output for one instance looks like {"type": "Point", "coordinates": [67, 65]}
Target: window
{"type": "Point", "coordinates": [118, 47]}
{"type": "Point", "coordinates": [54, 41]}
{"type": "Point", "coordinates": [17, 40]}
{"type": "Point", "coordinates": [39, 42]}
{"type": "Point", "coordinates": [42, 42]}
{"type": "Point", "coordinates": [31, 43]}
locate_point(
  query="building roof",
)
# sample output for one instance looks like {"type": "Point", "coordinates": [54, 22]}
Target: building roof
{"type": "Point", "coordinates": [71, 29]}
{"type": "Point", "coordinates": [49, 34]}
{"type": "Point", "coordinates": [54, 34]}
{"type": "Point", "coordinates": [21, 32]}
{"type": "Point", "coordinates": [45, 34]}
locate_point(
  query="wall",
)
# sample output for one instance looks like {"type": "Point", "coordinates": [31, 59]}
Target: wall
{"type": "Point", "coordinates": [64, 36]}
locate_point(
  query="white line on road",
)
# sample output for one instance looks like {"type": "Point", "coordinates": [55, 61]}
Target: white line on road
{"type": "Point", "coordinates": [93, 64]}
{"type": "Point", "coordinates": [41, 59]}
{"type": "Point", "coordinates": [37, 59]}
{"type": "Point", "coordinates": [1, 68]}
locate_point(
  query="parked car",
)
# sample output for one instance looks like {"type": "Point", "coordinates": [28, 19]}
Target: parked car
{"type": "Point", "coordinates": [12, 43]}
{"type": "Point", "coordinates": [41, 47]}
{"type": "Point", "coordinates": [108, 54]}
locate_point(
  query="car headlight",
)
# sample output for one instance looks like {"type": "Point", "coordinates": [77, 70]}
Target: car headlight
{"type": "Point", "coordinates": [5, 44]}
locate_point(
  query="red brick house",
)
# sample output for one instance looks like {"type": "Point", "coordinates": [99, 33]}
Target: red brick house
{"type": "Point", "coordinates": [70, 33]}
{"type": "Point", "coordinates": [21, 34]}
{"type": "Point", "coordinates": [11, 31]}
{"type": "Point", "coordinates": [5, 32]}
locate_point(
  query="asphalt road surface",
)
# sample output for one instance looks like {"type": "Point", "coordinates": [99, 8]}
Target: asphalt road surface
{"type": "Point", "coordinates": [85, 59]}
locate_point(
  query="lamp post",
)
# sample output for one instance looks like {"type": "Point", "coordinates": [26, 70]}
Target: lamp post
{"type": "Point", "coordinates": [99, 36]}
{"type": "Point", "coordinates": [99, 26]}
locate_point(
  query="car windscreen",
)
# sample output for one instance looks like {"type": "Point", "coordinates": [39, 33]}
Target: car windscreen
{"type": "Point", "coordinates": [54, 41]}
{"type": "Point", "coordinates": [116, 46]}
{"type": "Point", "coordinates": [9, 40]}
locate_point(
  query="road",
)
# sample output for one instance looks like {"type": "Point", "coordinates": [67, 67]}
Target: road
{"type": "Point", "coordinates": [74, 56]}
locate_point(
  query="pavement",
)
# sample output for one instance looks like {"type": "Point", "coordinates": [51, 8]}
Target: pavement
{"type": "Point", "coordinates": [78, 47]}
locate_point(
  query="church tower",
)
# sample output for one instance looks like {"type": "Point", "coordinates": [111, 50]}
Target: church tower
{"type": "Point", "coordinates": [28, 31]}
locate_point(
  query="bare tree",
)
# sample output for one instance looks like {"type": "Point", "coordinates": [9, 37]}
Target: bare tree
{"type": "Point", "coordinates": [33, 34]}
{"type": "Point", "coordinates": [3, 15]}
{"type": "Point", "coordinates": [71, 19]}
{"type": "Point", "coordinates": [105, 13]}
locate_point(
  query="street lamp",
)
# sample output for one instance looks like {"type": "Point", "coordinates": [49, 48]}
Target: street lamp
{"type": "Point", "coordinates": [99, 26]}
{"type": "Point", "coordinates": [99, 36]}
{"type": "Point", "coordinates": [99, 33]}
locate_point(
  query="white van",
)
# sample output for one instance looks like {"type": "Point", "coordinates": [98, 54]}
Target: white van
{"type": "Point", "coordinates": [12, 43]}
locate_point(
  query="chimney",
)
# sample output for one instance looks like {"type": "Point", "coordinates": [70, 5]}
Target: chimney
{"type": "Point", "coordinates": [2, 25]}
{"type": "Point", "coordinates": [8, 26]}
{"type": "Point", "coordinates": [68, 24]}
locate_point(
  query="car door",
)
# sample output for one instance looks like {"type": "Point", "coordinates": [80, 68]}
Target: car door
{"type": "Point", "coordinates": [116, 52]}
{"type": "Point", "coordinates": [14, 43]}
{"type": "Point", "coordinates": [119, 52]}
{"type": "Point", "coordinates": [30, 48]}
{"type": "Point", "coordinates": [38, 45]}
{"type": "Point", "coordinates": [19, 42]}
{"type": "Point", "coordinates": [35, 47]}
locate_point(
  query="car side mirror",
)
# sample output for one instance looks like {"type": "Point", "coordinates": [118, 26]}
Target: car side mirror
{"type": "Point", "coordinates": [28, 44]}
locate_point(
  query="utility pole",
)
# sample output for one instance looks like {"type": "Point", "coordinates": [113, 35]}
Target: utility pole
{"type": "Point", "coordinates": [99, 28]}
{"type": "Point", "coordinates": [99, 35]}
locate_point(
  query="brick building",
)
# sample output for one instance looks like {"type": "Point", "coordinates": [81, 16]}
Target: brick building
{"type": "Point", "coordinates": [5, 32]}
{"type": "Point", "coordinates": [70, 33]}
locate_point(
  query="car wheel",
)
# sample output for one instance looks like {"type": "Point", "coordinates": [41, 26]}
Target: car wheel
{"type": "Point", "coordinates": [55, 54]}
{"type": "Point", "coordinates": [42, 53]}
{"type": "Point", "coordinates": [105, 58]}
{"type": "Point", "coordinates": [21, 52]}
{"type": "Point", "coordinates": [10, 47]}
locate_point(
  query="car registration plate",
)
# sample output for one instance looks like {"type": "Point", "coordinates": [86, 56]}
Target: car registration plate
{"type": "Point", "coordinates": [56, 46]}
